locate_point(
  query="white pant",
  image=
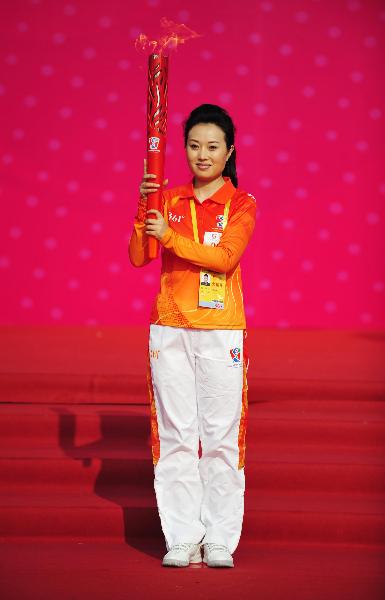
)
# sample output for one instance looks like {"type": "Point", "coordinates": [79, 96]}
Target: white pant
{"type": "Point", "coordinates": [196, 382]}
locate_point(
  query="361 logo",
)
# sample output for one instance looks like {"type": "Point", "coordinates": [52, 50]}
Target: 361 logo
{"type": "Point", "coordinates": [153, 144]}
{"type": "Point", "coordinates": [235, 354]}
{"type": "Point", "coordinates": [220, 220]}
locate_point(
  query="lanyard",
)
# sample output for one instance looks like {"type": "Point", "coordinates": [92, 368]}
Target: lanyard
{"type": "Point", "coordinates": [195, 222]}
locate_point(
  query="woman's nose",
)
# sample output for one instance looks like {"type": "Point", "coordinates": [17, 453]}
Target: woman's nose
{"type": "Point", "coordinates": [202, 153]}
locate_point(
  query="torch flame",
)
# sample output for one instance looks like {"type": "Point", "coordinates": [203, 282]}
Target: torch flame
{"type": "Point", "coordinates": [174, 35]}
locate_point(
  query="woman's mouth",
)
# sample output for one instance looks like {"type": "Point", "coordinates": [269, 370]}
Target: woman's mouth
{"type": "Point", "coordinates": [202, 166]}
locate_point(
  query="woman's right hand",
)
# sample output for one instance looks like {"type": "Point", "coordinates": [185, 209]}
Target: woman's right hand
{"type": "Point", "coordinates": [147, 186]}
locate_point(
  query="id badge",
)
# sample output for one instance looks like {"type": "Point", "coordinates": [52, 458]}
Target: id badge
{"type": "Point", "coordinates": [212, 285]}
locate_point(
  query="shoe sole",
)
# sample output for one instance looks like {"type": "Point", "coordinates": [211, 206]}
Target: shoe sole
{"type": "Point", "coordinates": [219, 564]}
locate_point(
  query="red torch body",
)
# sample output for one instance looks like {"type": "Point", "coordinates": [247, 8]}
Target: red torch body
{"type": "Point", "coordinates": [156, 132]}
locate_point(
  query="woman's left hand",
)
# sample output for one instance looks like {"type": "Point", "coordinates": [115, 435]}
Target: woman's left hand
{"type": "Point", "coordinates": [156, 226]}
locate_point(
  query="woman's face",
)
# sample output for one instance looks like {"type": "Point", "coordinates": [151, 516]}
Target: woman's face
{"type": "Point", "coordinates": [207, 152]}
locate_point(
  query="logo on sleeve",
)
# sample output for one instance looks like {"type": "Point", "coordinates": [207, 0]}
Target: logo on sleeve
{"type": "Point", "coordinates": [220, 221]}
{"type": "Point", "coordinates": [153, 143]}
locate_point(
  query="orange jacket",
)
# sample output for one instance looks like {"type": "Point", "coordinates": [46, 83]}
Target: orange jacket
{"type": "Point", "coordinates": [177, 301]}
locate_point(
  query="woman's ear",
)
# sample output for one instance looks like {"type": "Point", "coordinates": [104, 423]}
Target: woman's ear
{"type": "Point", "coordinates": [230, 152]}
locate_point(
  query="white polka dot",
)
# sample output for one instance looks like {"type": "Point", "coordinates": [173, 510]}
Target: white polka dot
{"type": "Point", "coordinates": [366, 317]}
{"type": "Point", "coordinates": [313, 166]}
{"type": "Point", "coordinates": [176, 118]}
{"type": "Point", "coordinates": [301, 193]}
{"type": "Point", "coordinates": [183, 15]}
{"type": "Point", "coordinates": [307, 265]}
{"type": "Point", "coordinates": [4, 262]}
{"type": "Point", "coordinates": [70, 10]}
{"type": "Point", "coordinates": [114, 267]}
{"type": "Point", "coordinates": [101, 124]}
{"type": "Point", "coordinates": [357, 76]}
{"type": "Point", "coordinates": [370, 41]}
{"type": "Point", "coordinates": [265, 284]}
{"type": "Point", "coordinates": [381, 188]}
{"type": "Point", "coordinates": [77, 82]}
{"type": "Point", "coordinates": [22, 26]}
{"type": "Point", "coordinates": [11, 59]}
{"type": "Point", "coordinates": [277, 255]}
{"type": "Point", "coordinates": [65, 112]}
{"type": "Point", "coordinates": [105, 22]}
{"type": "Point", "coordinates": [43, 176]}
{"type": "Point", "coordinates": [343, 103]}
{"type": "Point", "coordinates": [295, 295]}
{"type": "Point", "coordinates": [324, 234]}
{"type": "Point", "coordinates": [286, 50]}
{"type": "Point", "coordinates": [283, 324]}
{"type": "Point", "coordinates": [288, 224]}
{"type": "Point", "coordinates": [58, 38]}
{"type": "Point", "coordinates": [85, 253]}
{"type": "Point", "coordinates": [272, 80]}
{"type": "Point", "coordinates": [354, 249]}
{"type": "Point", "coordinates": [50, 243]}
{"type": "Point", "coordinates": [206, 55]}
{"type": "Point", "coordinates": [282, 156]}
{"type": "Point", "coordinates": [56, 313]}
{"type": "Point", "coordinates": [242, 70]}
{"type": "Point", "coordinates": [39, 273]}
{"type": "Point", "coordinates": [107, 196]}
{"type": "Point", "coordinates": [320, 60]}
{"type": "Point", "coordinates": [7, 159]}
{"type": "Point", "coordinates": [260, 109]}
{"type": "Point", "coordinates": [73, 186]}
{"type": "Point", "coordinates": [103, 294]}
{"type": "Point", "coordinates": [26, 302]}
{"type": "Point", "coordinates": [378, 286]}
{"type": "Point", "coordinates": [330, 306]}
{"type": "Point", "coordinates": [2, 89]}
{"type": "Point", "coordinates": [354, 5]}
{"type": "Point", "coordinates": [218, 27]}
{"type": "Point", "coordinates": [119, 166]}
{"type": "Point", "coordinates": [54, 145]}
{"type": "Point", "coordinates": [18, 134]}
{"type": "Point", "coordinates": [342, 276]}
{"type": "Point", "coordinates": [249, 310]}
{"type": "Point", "coordinates": [362, 145]}
{"type": "Point", "coordinates": [89, 156]}
{"type": "Point", "coordinates": [375, 113]}
{"type": "Point", "coordinates": [137, 304]}
{"type": "Point", "coordinates": [373, 218]}
{"type": "Point", "coordinates": [73, 284]}
{"type": "Point", "coordinates": [194, 87]}
{"type": "Point", "coordinates": [136, 135]}
{"type": "Point", "coordinates": [248, 139]}
{"type": "Point", "coordinates": [349, 177]}
{"type": "Point", "coordinates": [135, 32]}
{"type": "Point", "coordinates": [124, 64]}
{"type": "Point", "coordinates": [255, 38]}
{"type": "Point", "coordinates": [331, 135]}
{"type": "Point", "coordinates": [336, 208]}
{"type": "Point", "coordinates": [15, 233]}
{"type": "Point", "coordinates": [334, 32]}
{"type": "Point", "coordinates": [47, 70]}
{"type": "Point", "coordinates": [61, 211]}
{"type": "Point", "coordinates": [32, 201]}
{"type": "Point", "coordinates": [266, 6]}
{"type": "Point", "coordinates": [225, 97]}
{"type": "Point", "coordinates": [295, 124]}
{"type": "Point", "coordinates": [30, 101]}
{"type": "Point", "coordinates": [96, 227]}
{"type": "Point", "coordinates": [112, 97]}
{"type": "Point", "coordinates": [89, 53]}
{"type": "Point", "coordinates": [91, 322]}
{"type": "Point", "coordinates": [265, 183]}
{"type": "Point", "coordinates": [149, 278]}
{"type": "Point", "coordinates": [301, 17]}
{"type": "Point", "coordinates": [308, 91]}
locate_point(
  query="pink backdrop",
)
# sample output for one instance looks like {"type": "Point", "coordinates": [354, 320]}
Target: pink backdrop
{"type": "Point", "coordinates": [303, 81]}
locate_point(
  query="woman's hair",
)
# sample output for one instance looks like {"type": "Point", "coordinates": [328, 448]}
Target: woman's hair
{"type": "Point", "coordinates": [211, 113]}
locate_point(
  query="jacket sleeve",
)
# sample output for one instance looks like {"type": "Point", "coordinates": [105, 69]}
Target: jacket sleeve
{"type": "Point", "coordinates": [138, 245]}
{"type": "Point", "coordinates": [225, 256]}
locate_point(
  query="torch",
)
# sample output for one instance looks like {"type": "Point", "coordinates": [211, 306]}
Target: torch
{"type": "Point", "coordinates": [156, 132]}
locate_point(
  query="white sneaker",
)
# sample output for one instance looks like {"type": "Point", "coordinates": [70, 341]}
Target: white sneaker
{"type": "Point", "coordinates": [181, 555]}
{"type": "Point", "coordinates": [216, 555]}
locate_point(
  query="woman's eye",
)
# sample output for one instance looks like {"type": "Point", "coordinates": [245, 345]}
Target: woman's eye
{"type": "Point", "coordinates": [193, 146]}
{"type": "Point", "coordinates": [212, 148]}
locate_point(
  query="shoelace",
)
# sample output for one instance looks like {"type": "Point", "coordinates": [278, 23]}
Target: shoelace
{"type": "Point", "coordinates": [182, 547]}
{"type": "Point", "coordinates": [220, 547]}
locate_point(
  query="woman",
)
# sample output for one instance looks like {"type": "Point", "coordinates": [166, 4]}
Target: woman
{"type": "Point", "coordinates": [197, 368]}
